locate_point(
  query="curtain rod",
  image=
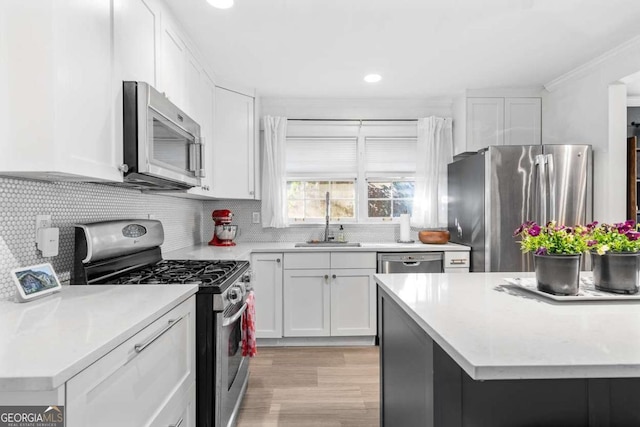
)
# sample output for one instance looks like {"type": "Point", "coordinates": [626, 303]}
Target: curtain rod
{"type": "Point", "coordinates": [353, 120]}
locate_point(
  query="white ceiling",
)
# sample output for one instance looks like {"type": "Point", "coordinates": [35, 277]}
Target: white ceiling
{"type": "Point", "coordinates": [323, 48]}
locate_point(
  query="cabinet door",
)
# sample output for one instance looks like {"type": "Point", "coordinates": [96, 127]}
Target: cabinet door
{"type": "Point", "coordinates": [485, 122]}
{"type": "Point", "coordinates": [353, 302]}
{"type": "Point", "coordinates": [136, 28]}
{"type": "Point", "coordinates": [194, 88]}
{"type": "Point", "coordinates": [234, 145]}
{"type": "Point", "coordinates": [205, 190]}
{"type": "Point", "coordinates": [307, 299]}
{"type": "Point", "coordinates": [129, 386]}
{"type": "Point", "coordinates": [173, 66]}
{"type": "Point", "coordinates": [80, 81]}
{"type": "Point", "coordinates": [522, 118]}
{"type": "Point", "coordinates": [267, 286]}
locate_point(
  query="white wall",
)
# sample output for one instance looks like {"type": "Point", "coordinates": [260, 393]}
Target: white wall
{"type": "Point", "coordinates": [576, 110]}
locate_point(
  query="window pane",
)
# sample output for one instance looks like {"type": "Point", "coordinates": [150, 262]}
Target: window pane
{"type": "Point", "coordinates": [379, 190]}
{"type": "Point", "coordinates": [342, 190]}
{"type": "Point", "coordinates": [316, 189]}
{"type": "Point", "coordinates": [314, 208]}
{"type": "Point", "coordinates": [295, 209]}
{"type": "Point", "coordinates": [342, 209]}
{"type": "Point", "coordinates": [295, 190]}
{"type": "Point", "coordinates": [402, 206]}
{"type": "Point", "coordinates": [403, 189]}
{"type": "Point", "coordinates": [379, 208]}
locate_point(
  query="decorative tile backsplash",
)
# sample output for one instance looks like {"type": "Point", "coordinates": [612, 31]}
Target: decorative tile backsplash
{"type": "Point", "coordinates": [249, 232]}
{"type": "Point", "coordinates": [186, 222]}
{"type": "Point", "coordinates": [71, 203]}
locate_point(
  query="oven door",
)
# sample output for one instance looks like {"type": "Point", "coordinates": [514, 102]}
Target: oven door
{"type": "Point", "coordinates": [235, 367]}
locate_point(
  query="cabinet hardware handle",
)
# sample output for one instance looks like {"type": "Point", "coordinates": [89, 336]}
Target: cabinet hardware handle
{"type": "Point", "coordinates": [251, 193]}
{"type": "Point", "coordinates": [333, 276]}
{"type": "Point", "coordinates": [459, 261]}
{"type": "Point", "coordinates": [170, 324]}
{"type": "Point", "coordinates": [278, 260]}
{"type": "Point", "coordinates": [326, 277]}
{"type": "Point", "coordinates": [178, 424]}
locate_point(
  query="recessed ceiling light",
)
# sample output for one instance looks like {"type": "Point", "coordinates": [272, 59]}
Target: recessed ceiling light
{"type": "Point", "coordinates": [372, 78]}
{"type": "Point", "coordinates": [221, 4]}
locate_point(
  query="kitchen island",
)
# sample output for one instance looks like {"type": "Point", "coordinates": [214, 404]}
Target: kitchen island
{"type": "Point", "coordinates": [470, 350]}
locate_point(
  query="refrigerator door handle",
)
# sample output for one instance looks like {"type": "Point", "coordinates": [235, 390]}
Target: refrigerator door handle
{"type": "Point", "coordinates": [541, 189]}
{"type": "Point", "coordinates": [551, 195]}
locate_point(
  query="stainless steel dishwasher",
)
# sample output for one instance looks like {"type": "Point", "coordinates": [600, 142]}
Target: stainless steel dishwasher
{"type": "Point", "coordinates": [415, 262]}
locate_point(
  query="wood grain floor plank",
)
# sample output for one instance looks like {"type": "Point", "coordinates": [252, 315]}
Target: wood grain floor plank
{"type": "Point", "coordinates": [313, 387]}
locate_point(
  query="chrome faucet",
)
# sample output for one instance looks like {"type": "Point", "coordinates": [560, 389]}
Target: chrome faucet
{"type": "Point", "coordinates": [326, 225]}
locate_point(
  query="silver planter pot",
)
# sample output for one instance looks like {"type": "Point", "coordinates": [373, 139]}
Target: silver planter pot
{"type": "Point", "coordinates": [558, 274]}
{"type": "Point", "coordinates": [617, 272]}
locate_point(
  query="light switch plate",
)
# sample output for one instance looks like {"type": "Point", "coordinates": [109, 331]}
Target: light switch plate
{"type": "Point", "coordinates": [256, 218]}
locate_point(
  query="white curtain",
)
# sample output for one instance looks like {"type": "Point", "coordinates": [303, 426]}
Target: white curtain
{"type": "Point", "coordinates": [274, 185]}
{"type": "Point", "coordinates": [434, 152]}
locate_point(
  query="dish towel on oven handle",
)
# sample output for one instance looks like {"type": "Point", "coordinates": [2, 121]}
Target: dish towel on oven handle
{"type": "Point", "coordinates": [249, 347]}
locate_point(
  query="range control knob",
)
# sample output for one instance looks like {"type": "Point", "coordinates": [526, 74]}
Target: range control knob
{"type": "Point", "coordinates": [235, 295]}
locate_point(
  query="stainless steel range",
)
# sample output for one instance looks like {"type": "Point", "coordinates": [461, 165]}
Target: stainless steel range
{"type": "Point", "coordinates": [128, 252]}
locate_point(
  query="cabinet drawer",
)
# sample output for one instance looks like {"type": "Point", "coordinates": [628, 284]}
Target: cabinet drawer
{"type": "Point", "coordinates": [353, 260]}
{"type": "Point", "coordinates": [129, 385]}
{"type": "Point", "coordinates": [456, 259]}
{"type": "Point", "coordinates": [316, 260]}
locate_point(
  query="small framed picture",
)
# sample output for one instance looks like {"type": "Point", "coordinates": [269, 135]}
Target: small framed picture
{"type": "Point", "coordinates": [36, 281]}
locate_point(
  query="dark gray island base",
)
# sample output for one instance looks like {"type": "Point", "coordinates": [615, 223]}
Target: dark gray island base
{"type": "Point", "coordinates": [422, 386]}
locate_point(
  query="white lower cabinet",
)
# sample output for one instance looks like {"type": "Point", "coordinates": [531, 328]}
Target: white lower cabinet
{"type": "Point", "coordinates": [267, 286]}
{"type": "Point", "coordinates": [353, 302]}
{"type": "Point", "coordinates": [329, 301]}
{"type": "Point", "coordinates": [149, 380]}
{"type": "Point", "coordinates": [307, 303]}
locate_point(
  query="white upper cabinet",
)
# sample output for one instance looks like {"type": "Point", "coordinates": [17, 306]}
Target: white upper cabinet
{"type": "Point", "coordinates": [56, 111]}
{"type": "Point", "coordinates": [485, 122]}
{"type": "Point", "coordinates": [172, 81]}
{"type": "Point", "coordinates": [205, 119]}
{"type": "Point", "coordinates": [522, 121]}
{"type": "Point", "coordinates": [234, 145]}
{"type": "Point", "coordinates": [136, 30]}
{"type": "Point", "coordinates": [496, 120]}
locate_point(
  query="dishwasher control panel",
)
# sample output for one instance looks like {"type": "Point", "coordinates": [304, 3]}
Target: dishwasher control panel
{"type": "Point", "coordinates": [414, 262]}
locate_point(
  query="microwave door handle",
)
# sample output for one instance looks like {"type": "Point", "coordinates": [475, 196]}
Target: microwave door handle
{"type": "Point", "coordinates": [193, 160]}
{"type": "Point", "coordinates": [201, 170]}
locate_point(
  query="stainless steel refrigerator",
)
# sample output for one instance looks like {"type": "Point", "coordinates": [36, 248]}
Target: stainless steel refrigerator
{"type": "Point", "coordinates": [495, 190]}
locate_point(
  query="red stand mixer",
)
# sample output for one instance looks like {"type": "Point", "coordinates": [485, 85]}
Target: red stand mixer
{"type": "Point", "coordinates": [223, 233]}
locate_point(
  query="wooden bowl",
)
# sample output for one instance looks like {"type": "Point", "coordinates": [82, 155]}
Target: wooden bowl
{"type": "Point", "coordinates": [437, 237]}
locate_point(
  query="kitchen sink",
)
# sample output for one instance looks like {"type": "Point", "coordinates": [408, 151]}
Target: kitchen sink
{"type": "Point", "coordinates": [327, 245]}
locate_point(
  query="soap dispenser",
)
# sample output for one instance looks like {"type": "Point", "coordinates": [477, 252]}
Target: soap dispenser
{"type": "Point", "coordinates": [341, 234]}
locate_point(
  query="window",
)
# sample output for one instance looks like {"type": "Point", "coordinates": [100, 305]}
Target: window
{"type": "Point", "coordinates": [306, 200]}
{"type": "Point", "coordinates": [368, 169]}
{"type": "Point", "coordinates": [389, 199]}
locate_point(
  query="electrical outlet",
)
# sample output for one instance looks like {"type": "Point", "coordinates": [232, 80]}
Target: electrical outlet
{"type": "Point", "coordinates": [42, 221]}
{"type": "Point", "coordinates": [256, 218]}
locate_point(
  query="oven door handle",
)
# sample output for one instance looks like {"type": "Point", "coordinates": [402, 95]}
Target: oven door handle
{"type": "Point", "coordinates": [232, 319]}
{"type": "Point", "coordinates": [170, 324]}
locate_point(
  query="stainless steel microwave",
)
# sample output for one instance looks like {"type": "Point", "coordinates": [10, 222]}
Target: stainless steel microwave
{"type": "Point", "coordinates": [162, 145]}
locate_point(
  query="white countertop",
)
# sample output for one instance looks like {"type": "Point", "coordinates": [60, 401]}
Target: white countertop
{"type": "Point", "coordinates": [243, 250]}
{"type": "Point", "coordinates": [45, 342]}
{"type": "Point", "coordinates": [495, 331]}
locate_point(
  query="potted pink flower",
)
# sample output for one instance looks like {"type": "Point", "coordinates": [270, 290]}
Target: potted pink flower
{"type": "Point", "coordinates": [557, 250]}
{"type": "Point", "coordinates": [615, 252]}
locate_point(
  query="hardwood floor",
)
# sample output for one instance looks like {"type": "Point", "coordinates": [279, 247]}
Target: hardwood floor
{"type": "Point", "coordinates": [313, 386]}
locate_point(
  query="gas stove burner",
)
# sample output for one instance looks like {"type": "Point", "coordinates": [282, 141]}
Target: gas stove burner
{"type": "Point", "coordinates": [212, 274]}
